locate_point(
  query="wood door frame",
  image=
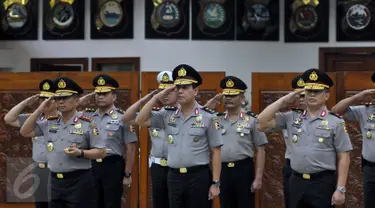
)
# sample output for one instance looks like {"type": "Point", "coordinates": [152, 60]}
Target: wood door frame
{"type": "Point", "coordinates": [35, 61]}
{"type": "Point", "coordinates": [324, 52]}
{"type": "Point", "coordinates": [117, 60]}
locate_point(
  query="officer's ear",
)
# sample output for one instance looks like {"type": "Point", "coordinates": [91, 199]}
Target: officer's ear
{"type": "Point", "coordinates": [114, 93]}
{"type": "Point", "coordinates": [196, 91]}
{"type": "Point", "coordinates": [327, 94]}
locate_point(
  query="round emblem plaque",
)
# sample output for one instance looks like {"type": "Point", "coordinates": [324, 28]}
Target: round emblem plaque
{"type": "Point", "coordinates": [16, 16]}
{"type": "Point", "coordinates": [167, 14]}
{"type": "Point", "coordinates": [306, 17]}
{"type": "Point", "coordinates": [111, 13]}
{"type": "Point", "coordinates": [258, 16]}
{"type": "Point", "coordinates": [214, 15]}
{"type": "Point", "coordinates": [63, 15]}
{"type": "Point", "coordinates": [358, 17]}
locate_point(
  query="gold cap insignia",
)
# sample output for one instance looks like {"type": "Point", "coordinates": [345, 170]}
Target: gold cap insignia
{"type": "Point", "coordinates": [46, 86]}
{"type": "Point", "coordinates": [61, 84]}
{"type": "Point", "coordinates": [229, 83]}
{"type": "Point", "coordinates": [165, 77]}
{"type": "Point", "coordinates": [182, 72]}
{"type": "Point", "coordinates": [300, 83]}
{"type": "Point", "coordinates": [101, 81]}
{"type": "Point", "coordinates": [313, 76]}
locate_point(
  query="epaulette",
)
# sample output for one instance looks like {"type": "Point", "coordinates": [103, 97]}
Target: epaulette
{"type": "Point", "coordinates": [170, 108]}
{"type": "Point", "coordinates": [220, 114]}
{"type": "Point", "coordinates": [209, 110]}
{"type": "Point", "coordinates": [120, 111]}
{"type": "Point", "coordinates": [85, 118]}
{"type": "Point", "coordinates": [336, 114]}
{"type": "Point", "coordinates": [91, 110]}
{"type": "Point", "coordinates": [53, 117]}
{"type": "Point", "coordinates": [156, 108]}
{"type": "Point", "coordinates": [249, 113]}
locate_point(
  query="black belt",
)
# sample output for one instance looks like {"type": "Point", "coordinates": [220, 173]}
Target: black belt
{"type": "Point", "coordinates": [287, 161]}
{"type": "Point", "coordinates": [189, 169]}
{"type": "Point", "coordinates": [238, 162]}
{"type": "Point", "coordinates": [109, 158]}
{"type": "Point", "coordinates": [67, 175]}
{"type": "Point", "coordinates": [313, 176]}
{"type": "Point", "coordinates": [368, 163]}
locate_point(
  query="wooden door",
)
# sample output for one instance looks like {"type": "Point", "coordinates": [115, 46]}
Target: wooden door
{"type": "Point", "coordinates": [209, 88]}
{"type": "Point", "coordinates": [127, 94]}
{"type": "Point", "coordinates": [266, 89]}
{"type": "Point", "coordinates": [15, 150]}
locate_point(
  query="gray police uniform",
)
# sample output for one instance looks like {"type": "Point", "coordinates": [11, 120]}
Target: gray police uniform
{"type": "Point", "coordinates": [365, 115]}
{"type": "Point", "coordinates": [109, 172]}
{"type": "Point", "coordinates": [190, 140]}
{"type": "Point", "coordinates": [70, 176]}
{"type": "Point", "coordinates": [240, 137]}
{"type": "Point", "coordinates": [314, 145]}
{"type": "Point", "coordinates": [40, 166]}
{"type": "Point", "coordinates": [158, 163]}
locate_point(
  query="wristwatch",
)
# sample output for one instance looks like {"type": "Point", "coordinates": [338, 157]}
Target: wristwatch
{"type": "Point", "coordinates": [341, 189]}
{"type": "Point", "coordinates": [216, 183]}
{"type": "Point", "coordinates": [82, 155]}
{"type": "Point", "coordinates": [127, 175]}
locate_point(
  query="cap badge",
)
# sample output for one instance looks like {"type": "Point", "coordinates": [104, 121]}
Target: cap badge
{"type": "Point", "coordinates": [101, 81]}
{"type": "Point", "coordinates": [301, 83]}
{"type": "Point", "coordinates": [165, 77]}
{"type": "Point", "coordinates": [182, 72]}
{"type": "Point", "coordinates": [313, 76]}
{"type": "Point", "coordinates": [61, 84]}
{"type": "Point", "coordinates": [229, 83]}
{"type": "Point", "coordinates": [46, 86]}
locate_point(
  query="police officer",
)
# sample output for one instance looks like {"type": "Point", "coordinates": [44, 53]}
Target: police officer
{"type": "Point", "coordinates": [159, 141]}
{"type": "Point", "coordinates": [239, 181]}
{"type": "Point", "coordinates": [16, 119]}
{"type": "Point", "coordinates": [192, 131]}
{"type": "Point", "coordinates": [72, 140]}
{"type": "Point", "coordinates": [298, 108]}
{"type": "Point", "coordinates": [365, 115]}
{"type": "Point", "coordinates": [110, 172]}
{"type": "Point", "coordinates": [319, 147]}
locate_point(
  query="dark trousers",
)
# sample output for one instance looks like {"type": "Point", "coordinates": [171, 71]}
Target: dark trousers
{"type": "Point", "coordinates": [74, 190]}
{"type": "Point", "coordinates": [314, 193]}
{"type": "Point", "coordinates": [369, 183]}
{"type": "Point", "coordinates": [287, 172]}
{"type": "Point", "coordinates": [41, 196]}
{"type": "Point", "coordinates": [235, 188]}
{"type": "Point", "coordinates": [190, 189]}
{"type": "Point", "coordinates": [159, 186]}
{"type": "Point", "coordinates": [108, 176]}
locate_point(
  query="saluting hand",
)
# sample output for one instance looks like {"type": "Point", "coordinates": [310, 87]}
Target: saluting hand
{"type": "Point", "coordinates": [85, 100]}
{"type": "Point", "coordinates": [45, 103]}
{"type": "Point", "coordinates": [291, 98]}
{"type": "Point", "coordinates": [338, 198]}
{"type": "Point", "coordinates": [214, 101]}
{"type": "Point", "coordinates": [32, 99]}
{"type": "Point", "coordinates": [159, 96]}
{"type": "Point", "coordinates": [148, 97]}
{"type": "Point", "coordinates": [213, 192]}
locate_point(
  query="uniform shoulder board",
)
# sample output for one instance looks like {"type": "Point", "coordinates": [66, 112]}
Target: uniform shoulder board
{"type": "Point", "coordinates": [249, 113]}
{"type": "Point", "coordinates": [90, 110]}
{"type": "Point", "coordinates": [171, 108]}
{"type": "Point", "coordinates": [336, 114]}
{"type": "Point", "coordinates": [53, 117]}
{"type": "Point", "coordinates": [120, 111]}
{"type": "Point", "coordinates": [156, 108]}
{"type": "Point", "coordinates": [220, 114]}
{"type": "Point", "coordinates": [209, 110]}
{"type": "Point", "coordinates": [85, 118]}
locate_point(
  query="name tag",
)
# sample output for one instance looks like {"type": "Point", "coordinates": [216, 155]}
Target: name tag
{"type": "Point", "coordinates": [76, 131]}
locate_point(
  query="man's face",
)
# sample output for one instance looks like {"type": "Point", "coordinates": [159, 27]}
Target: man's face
{"type": "Point", "coordinates": [170, 99]}
{"type": "Point", "coordinates": [316, 97]}
{"type": "Point", "coordinates": [233, 101]}
{"type": "Point", "coordinates": [105, 99]}
{"type": "Point", "coordinates": [186, 93]}
{"type": "Point", "coordinates": [67, 103]}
